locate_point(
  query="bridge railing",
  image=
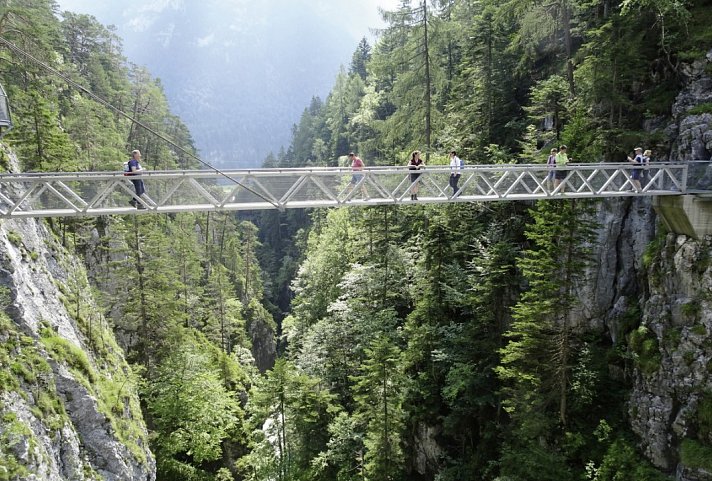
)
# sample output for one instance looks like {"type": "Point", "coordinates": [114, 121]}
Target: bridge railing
{"type": "Point", "coordinates": [99, 193]}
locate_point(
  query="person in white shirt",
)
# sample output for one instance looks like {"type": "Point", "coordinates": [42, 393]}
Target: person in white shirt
{"type": "Point", "coordinates": [456, 165]}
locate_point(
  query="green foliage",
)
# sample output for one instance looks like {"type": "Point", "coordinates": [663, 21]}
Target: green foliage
{"type": "Point", "coordinates": [289, 414]}
{"type": "Point", "coordinates": [550, 99]}
{"type": "Point", "coordinates": [646, 353]}
{"type": "Point", "coordinates": [621, 461]}
{"type": "Point", "coordinates": [191, 409]}
{"type": "Point", "coordinates": [379, 397]}
{"type": "Point", "coordinates": [704, 418]}
{"type": "Point", "coordinates": [653, 250]}
{"type": "Point", "coordinates": [14, 431]}
{"type": "Point", "coordinates": [63, 350]}
{"type": "Point", "coordinates": [696, 454]}
{"type": "Point", "coordinates": [15, 238]}
{"type": "Point", "coordinates": [402, 320]}
{"type": "Point", "coordinates": [690, 309]}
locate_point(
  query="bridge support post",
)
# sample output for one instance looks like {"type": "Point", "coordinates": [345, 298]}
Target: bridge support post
{"type": "Point", "coordinates": [690, 214]}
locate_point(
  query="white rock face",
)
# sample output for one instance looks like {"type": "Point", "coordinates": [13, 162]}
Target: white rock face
{"type": "Point", "coordinates": [57, 423]}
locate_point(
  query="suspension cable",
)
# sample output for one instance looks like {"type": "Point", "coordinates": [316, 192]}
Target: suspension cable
{"type": "Point", "coordinates": [106, 104]}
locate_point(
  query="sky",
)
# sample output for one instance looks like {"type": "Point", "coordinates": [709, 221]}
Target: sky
{"type": "Point", "coordinates": [239, 73]}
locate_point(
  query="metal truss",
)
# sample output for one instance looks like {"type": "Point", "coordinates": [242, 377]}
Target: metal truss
{"type": "Point", "coordinates": [108, 193]}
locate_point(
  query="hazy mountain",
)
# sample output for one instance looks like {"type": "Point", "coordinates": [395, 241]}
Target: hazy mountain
{"type": "Point", "coordinates": [238, 73]}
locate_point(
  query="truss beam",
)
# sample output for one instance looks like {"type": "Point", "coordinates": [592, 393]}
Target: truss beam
{"type": "Point", "coordinates": [108, 193]}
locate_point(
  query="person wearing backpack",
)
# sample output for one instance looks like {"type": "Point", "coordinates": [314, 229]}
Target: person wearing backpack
{"type": "Point", "coordinates": [133, 167]}
{"type": "Point", "coordinates": [456, 165]}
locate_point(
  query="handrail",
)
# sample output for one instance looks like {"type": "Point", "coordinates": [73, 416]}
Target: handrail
{"type": "Point", "coordinates": [56, 194]}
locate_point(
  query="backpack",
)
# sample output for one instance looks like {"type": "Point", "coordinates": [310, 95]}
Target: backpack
{"type": "Point", "coordinates": [126, 167]}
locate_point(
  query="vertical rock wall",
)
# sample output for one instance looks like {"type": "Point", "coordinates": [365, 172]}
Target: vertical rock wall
{"type": "Point", "coordinates": [68, 403]}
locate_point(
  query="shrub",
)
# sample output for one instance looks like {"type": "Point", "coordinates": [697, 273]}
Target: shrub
{"type": "Point", "coordinates": [646, 352]}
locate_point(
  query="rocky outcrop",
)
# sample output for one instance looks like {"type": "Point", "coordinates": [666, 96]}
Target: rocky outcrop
{"type": "Point", "coordinates": [692, 133]}
{"type": "Point", "coordinates": [667, 283]}
{"type": "Point", "coordinates": [677, 318]}
{"type": "Point", "coordinates": [68, 402]}
{"type": "Point", "coordinates": [626, 227]}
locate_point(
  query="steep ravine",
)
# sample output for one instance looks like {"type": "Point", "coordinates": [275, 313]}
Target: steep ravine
{"type": "Point", "coordinates": [68, 401]}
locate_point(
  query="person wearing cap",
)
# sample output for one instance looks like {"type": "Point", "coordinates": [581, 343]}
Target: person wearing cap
{"type": "Point", "coordinates": [637, 174]}
{"type": "Point", "coordinates": [357, 166]}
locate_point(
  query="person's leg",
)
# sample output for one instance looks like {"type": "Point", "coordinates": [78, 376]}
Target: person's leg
{"type": "Point", "coordinates": [138, 188]}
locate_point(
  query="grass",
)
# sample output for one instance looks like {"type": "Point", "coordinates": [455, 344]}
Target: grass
{"type": "Point", "coordinates": [13, 431]}
{"type": "Point", "coordinates": [705, 108]}
{"type": "Point", "coordinates": [699, 330]}
{"type": "Point", "coordinates": [672, 338]}
{"type": "Point", "coordinates": [704, 416]}
{"type": "Point", "coordinates": [653, 250]}
{"type": "Point", "coordinates": [14, 238]}
{"type": "Point", "coordinates": [64, 350]}
{"type": "Point", "coordinates": [696, 455]}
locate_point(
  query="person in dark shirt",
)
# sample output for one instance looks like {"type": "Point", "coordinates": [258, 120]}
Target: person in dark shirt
{"type": "Point", "coordinates": [134, 168]}
{"type": "Point", "coordinates": [415, 163]}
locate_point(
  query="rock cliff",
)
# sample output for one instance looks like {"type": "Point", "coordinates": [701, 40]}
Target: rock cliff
{"type": "Point", "coordinates": [68, 399]}
{"type": "Point", "coordinates": [671, 402]}
{"type": "Point", "coordinates": [665, 283]}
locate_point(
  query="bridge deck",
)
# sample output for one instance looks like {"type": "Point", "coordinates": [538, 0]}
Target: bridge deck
{"type": "Point", "coordinates": [109, 193]}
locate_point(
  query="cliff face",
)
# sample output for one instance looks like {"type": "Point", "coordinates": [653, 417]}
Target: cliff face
{"type": "Point", "coordinates": [68, 403]}
{"type": "Point", "coordinates": [671, 401]}
{"type": "Point", "coordinates": [665, 282]}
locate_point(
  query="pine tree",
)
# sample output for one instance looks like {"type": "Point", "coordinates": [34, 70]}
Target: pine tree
{"type": "Point", "coordinates": [538, 358]}
{"type": "Point", "coordinates": [378, 392]}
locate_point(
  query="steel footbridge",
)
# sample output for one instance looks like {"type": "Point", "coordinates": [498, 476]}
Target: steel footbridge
{"type": "Point", "coordinates": [112, 193]}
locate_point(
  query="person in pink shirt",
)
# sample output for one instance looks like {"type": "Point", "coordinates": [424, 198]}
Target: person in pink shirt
{"type": "Point", "coordinates": [357, 166]}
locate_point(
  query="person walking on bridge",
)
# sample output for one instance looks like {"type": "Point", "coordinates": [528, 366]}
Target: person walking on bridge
{"type": "Point", "coordinates": [357, 166]}
{"type": "Point", "coordinates": [637, 174]}
{"type": "Point", "coordinates": [551, 165]}
{"type": "Point", "coordinates": [456, 165]}
{"type": "Point", "coordinates": [415, 163]}
{"type": "Point", "coordinates": [133, 167]}
{"type": "Point", "coordinates": [561, 160]}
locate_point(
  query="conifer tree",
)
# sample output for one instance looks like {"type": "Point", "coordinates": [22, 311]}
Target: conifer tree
{"type": "Point", "coordinates": [538, 358]}
{"type": "Point", "coordinates": [378, 393]}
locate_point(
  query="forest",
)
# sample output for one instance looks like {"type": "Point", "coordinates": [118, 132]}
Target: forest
{"type": "Point", "coordinates": [444, 342]}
